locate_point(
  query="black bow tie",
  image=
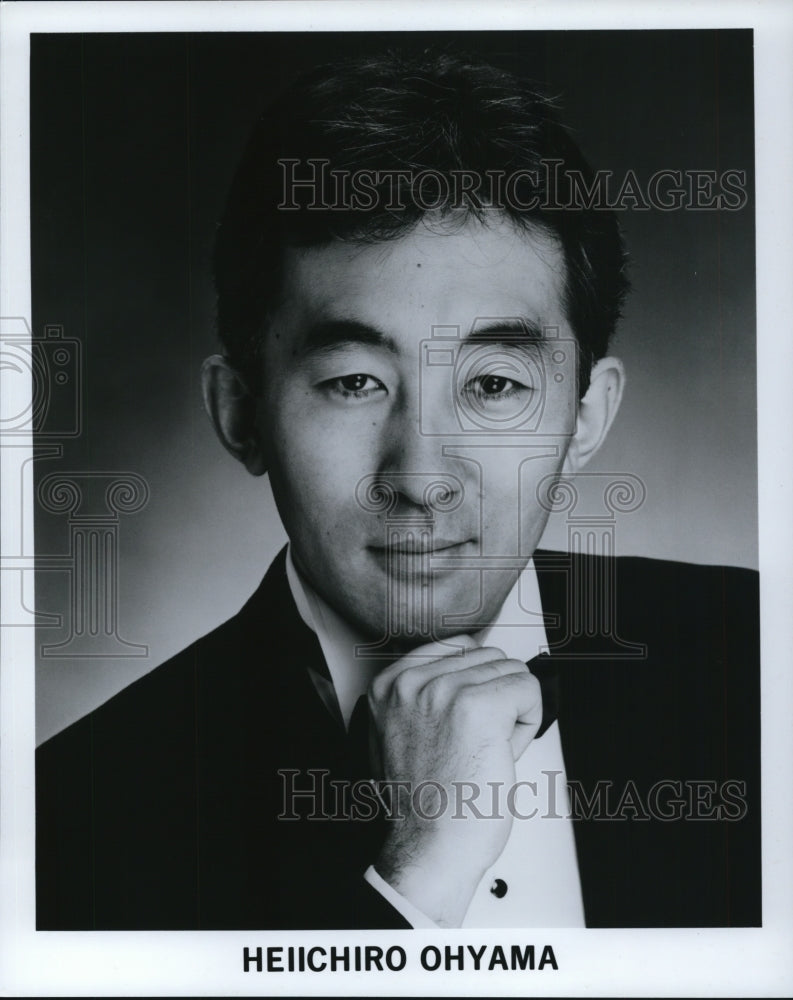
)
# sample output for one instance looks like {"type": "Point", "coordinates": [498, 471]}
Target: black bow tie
{"type": "Point", "coordinates": [546, 670]}
{"type": "Point", "coordinates": [360, 740]}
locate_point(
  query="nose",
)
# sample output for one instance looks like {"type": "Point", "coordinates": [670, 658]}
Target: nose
{"type": "Point", "coordinates": [413, 469]}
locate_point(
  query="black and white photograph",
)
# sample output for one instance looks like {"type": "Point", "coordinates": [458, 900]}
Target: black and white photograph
{"type": "Point", "coordinates": [387, 557]}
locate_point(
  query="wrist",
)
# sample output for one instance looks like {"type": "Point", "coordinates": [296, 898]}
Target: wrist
{"type": "Point", "coordinates": [432, 881]}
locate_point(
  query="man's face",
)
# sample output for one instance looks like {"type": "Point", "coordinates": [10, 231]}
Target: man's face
{"type": "Point", "coordinates": [414, 400]}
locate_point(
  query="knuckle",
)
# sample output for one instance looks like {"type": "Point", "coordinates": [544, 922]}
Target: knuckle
{"type": "Point", "coordinates": [378, 689]}
{"type": "Point", "coordinates": [465, 704]}
{"type": "Point", "coordinates": [533, 683]}
{"type": "Point", "coordinates": [402, 688]}
{"type": "Point", "coordinates": [504, 668]}
{"type": "Point", "coordinates": [436, 691]}
{"type": "Point", "coordinates": [373, 703]}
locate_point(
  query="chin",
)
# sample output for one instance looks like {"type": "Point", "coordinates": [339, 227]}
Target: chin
{"type": "Point", "coordinates": [404, 633]}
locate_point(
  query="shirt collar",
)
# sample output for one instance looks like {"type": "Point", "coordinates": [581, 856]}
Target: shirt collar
{"type": "Point", "coordinates": [518, 630]}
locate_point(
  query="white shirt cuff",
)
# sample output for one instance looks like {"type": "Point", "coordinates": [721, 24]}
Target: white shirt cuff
{"type": "Point", "coordinates": [412, 914]}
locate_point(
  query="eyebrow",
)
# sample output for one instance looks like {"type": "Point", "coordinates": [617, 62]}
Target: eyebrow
{"type": "Point", "coordinates": [505, 330]}
{"type": "Point", "coordinates": [330, 333]}
{"type": "Point", "coordinates": [325, 335]}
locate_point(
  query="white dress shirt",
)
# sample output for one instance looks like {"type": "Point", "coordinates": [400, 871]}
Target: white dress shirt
{"type": "Point", "coordinates": [538, 866]}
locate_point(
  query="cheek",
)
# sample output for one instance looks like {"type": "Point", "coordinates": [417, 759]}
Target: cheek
{"type": "Point", "coordinates": [313, 470]}
{"type": "Point", "coordinates": [304, 480]}
{"type": "Point", "coordinates": [515, 494]}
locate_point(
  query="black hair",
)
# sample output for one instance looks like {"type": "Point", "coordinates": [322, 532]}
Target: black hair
{"type": "Point", "coordinates": [409, 125]}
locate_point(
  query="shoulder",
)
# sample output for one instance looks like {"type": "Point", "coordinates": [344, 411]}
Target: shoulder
{"type": "Point", "coordinates": [660, 646]}
{"type": "Point", "coordinates": [658, 597]}
{"type": "Point", "coordinates": [712, 611]}
{"type": "Point", "coordinates": [689, 580]}
{"type": "Point", "coordinates": [214, 668]}
{"type": "Point", "coordinates": [661, 572]}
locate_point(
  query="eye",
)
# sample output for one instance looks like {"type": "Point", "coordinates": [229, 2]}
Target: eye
{"type": "Point", "coordinates": [493, 387]}
{"type": "Point", "coordinates": [355, 386]}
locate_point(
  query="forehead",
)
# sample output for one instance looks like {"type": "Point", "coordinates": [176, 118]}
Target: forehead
{"type": "Point", "coordinates": [436, 274]}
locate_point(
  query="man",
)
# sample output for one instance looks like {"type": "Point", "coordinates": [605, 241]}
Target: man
{"type": "Point", "coordinates": [415, 305]}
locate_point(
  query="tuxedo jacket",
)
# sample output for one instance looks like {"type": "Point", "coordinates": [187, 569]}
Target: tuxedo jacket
{"type": "Point", "coordinates": [160, 809]}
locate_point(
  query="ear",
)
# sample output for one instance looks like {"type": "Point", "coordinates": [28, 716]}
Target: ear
{"type": "Point", "coordinates": [596, 412]}
{"type": "Point", "coordinates": [232, 409]}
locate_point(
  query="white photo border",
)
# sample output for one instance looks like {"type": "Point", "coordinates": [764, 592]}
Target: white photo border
{"type": "Point", "coordinates": [695, 962]}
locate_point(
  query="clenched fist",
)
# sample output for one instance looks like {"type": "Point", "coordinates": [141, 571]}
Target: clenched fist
{"type": "Point", "coordinates": [446, 719]}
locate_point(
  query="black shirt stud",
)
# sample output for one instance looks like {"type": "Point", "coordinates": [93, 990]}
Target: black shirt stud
{"type": "Point", "coordinates": [499, 888]}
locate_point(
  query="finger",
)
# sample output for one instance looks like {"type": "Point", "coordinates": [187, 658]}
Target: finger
{"type": "Point", "coordinates": [438, 649]}
{"type": "Point", "coordinates": [442, 684]}
{"type": "Point", "coordinates": [413, 673]}
{"type": "Point", "coordinates": [508, 707]}
{"type": "Point", "coordinates": [455, 647]}
{"type": "Point", "coordinates": [523, 734]}
{"type": "Point", "coordinates": [528, 719]}
{"type": "Point", "coordinates": [520, 693]}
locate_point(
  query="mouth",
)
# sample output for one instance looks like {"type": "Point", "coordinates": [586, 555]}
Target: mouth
{"type": "Point", "coordinates": [415, 558]}
{"type": "Point", "coordinates": [419, 546]}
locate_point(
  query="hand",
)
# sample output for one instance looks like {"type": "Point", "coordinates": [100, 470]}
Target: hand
{"type": "Point", "coordinates": [446, 719]}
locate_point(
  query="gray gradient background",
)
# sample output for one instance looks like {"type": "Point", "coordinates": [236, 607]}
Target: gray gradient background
{"type": "Point", "coordinates": [133, 142]}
